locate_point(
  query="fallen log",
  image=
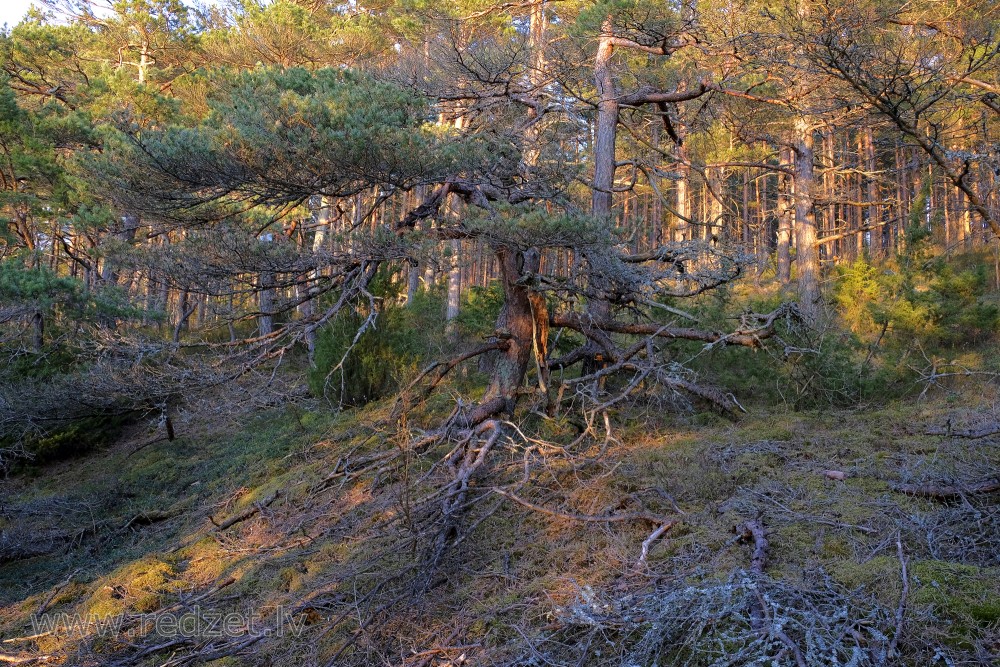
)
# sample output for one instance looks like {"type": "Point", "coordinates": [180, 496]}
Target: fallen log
{"type": "Point", "coordinates": [982, 432]}
{"type": "Point", "coordinates": [149, 518]}
{"type": "Point", "coordinates": [755, 530]}
{"type": "Point", "coordinates": [948, 491]}
{"type": "Point", "coordinates": [246, 514]}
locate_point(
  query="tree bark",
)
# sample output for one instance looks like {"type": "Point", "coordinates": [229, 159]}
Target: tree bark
{"type": "Point", "coordinates": [785, 213]}
{"type": "Point", "coordinates": [454, 286]}
{"type": "Point", "coordinates": [606, 126]}
{"type": "Point", "coordinates": [606, 130]}
{"type": "Point", "coordinates": [517, 328]}
{"type": "Point", "coordinates": [683, 201]}
{"type": "Point", "coordinates": [806, 248]}
{"type": "Point", "coordinates": [38, 330]}
{"type": "Point", "coordinates": [265, 321]}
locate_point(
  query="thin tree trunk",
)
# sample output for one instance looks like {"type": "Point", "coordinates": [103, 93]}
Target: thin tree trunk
{"type": "Point", "coordinates": [454, 285]}
{"type": "Point", "coordinates": [785, 213]}
{"type": "Point", "coordinates": [38, 330]}
{"type": "Point", "coordinates": [265, 300]}
{"type": "Point", "coordinates": [682, 193]}
{"type": "Point", "coordinates": [716, 212]}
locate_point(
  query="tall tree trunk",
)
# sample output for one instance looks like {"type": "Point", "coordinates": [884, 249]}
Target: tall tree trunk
{"type": "Point", "coordinates": [598, 308]}
{"type": "Point", "coordinates": [413, 268]}
{"type": "Point", "coordinates": [185, 306]}
{"type": "Point", "coordinates": [806, 249]}
{"type": "Point", "coordinates": [829, 190]}
{"type": "Point", "coordinates": [682, 204]}
{"type": "Point", "coordinates": [716, 211]}
{"type": "Point", "coordinates": [785, 212]}
{"type": "Point", "coordinates": [606, 126]}
{"type": "Point", "coordinates": [265, 300]}
{"type": "Point", "coordinates": [453, 212]}
{"type": "Point", "coordinates": [522, 325]}
{"type": "Point", "coordinates": [454, 286]}
{"type": "Point", "coordinates": [873, 216]}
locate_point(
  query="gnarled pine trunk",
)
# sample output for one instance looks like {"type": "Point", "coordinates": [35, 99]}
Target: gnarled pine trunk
{"type": "Point", "coordinates": [522, 328]}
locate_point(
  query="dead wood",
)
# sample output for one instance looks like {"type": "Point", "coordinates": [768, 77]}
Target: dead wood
{"type": "Point", "coordinates": [755, 530]}
{"type": "Point", "coordinates": [24, 659]}
{"type": "Point", "coordinates": [16, 547]}
{"type": "Point", "coordinates": [948, 491]}
{"type": "Point", "coordinates": [151, 517]}
{"type": "Point", "coordinates": [54, 593]}
{"type": "Point", "coordinates": [974, 433]}
{"type": "Point", "coordinates": [590, 518]}
{"type": "Point", "coordinates": [147, 444]}
{"type": "Point", "coordinates": [653, 536]}
{"type": "Point", "coordinates": [246, 514]}
{"type": "Point", "coordinates": [29, 638]}
{"type": "Point", "coordinates": [758, 616]}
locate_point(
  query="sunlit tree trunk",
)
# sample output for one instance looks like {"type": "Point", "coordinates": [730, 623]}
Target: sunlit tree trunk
{"type": "Point", "coordinates": [682, 203]}
{"type": "Point", "coordinates": [716, 212]}
{"type": "Point", "coordinates": [454, 284]}
{"type": "Point", "coordinates": [785, 213]}
{"type": "Point", "coordinates": [453, 212]}
{"type": "Point", "coordinates": [806, 249]}
{"type": "Point", "coordinates": [520, 326]}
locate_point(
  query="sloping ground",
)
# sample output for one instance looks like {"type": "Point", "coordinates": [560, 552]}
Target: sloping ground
{"type": "Point", "coordinates": [304, 538]}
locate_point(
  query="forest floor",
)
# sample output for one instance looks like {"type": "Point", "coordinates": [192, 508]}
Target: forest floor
{"type": "Point", "coordinates": [803, 538]}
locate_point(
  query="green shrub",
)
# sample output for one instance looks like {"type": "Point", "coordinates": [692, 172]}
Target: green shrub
{"type": "Point", "coordinates": [352, 370]}
{"type": "Point", "coordinates": [480, 308]}
{"type": "Point", "coordinates": [73, 439]}
{"type": "Point", "coordinates": [918, 300]}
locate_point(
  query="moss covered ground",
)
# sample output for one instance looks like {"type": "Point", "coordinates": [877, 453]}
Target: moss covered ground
{"type": "Point", "coordinates": [336, 543]}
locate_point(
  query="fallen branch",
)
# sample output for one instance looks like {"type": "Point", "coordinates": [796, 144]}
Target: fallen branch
{"type": "Point", "coordinates": [14, 640]}
{"type": "Point", "coordinates": [25, 659]}
{"type": "Point", "coordinates": [992, 429]}
{"type": "Point", "coordinates": [147, 444]}
{"type": "Point", "coordinates": [149, 518]}
{"type": "Point", "coordinates": [52, 596]}
{"type": "Point", "coordinates": [246, 514]}
{"type": "Point", "coordinates": [13, 552]}
{"type": "Point", "coordinates": [653, 536]}
{"type": "Point", "coordinates": [755, 530]}
{"type": "Point", "coordinates": [948, 491]}
{"type": "Point", "coordinates": [591, 518]}
{"type": "Point", "coordinates": [426, 656]}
